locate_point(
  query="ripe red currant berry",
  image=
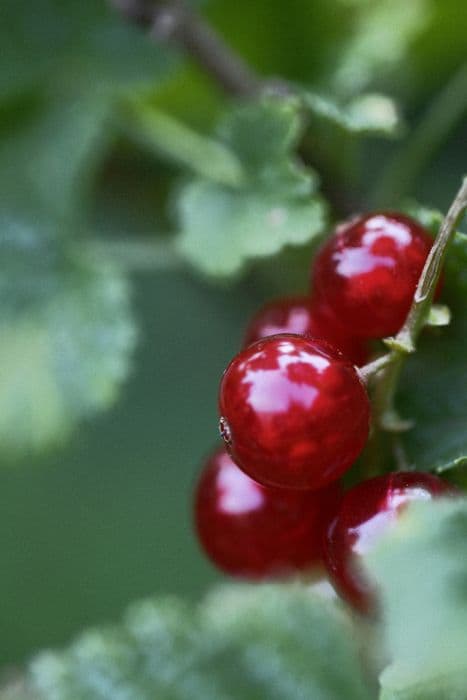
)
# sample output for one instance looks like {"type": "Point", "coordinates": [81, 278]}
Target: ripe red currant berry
{"type": "Point", "coordinates": [368, 271]}
{"type": "Point", "coordinates": [303, 316]}
{"type": "Point", "coordinates": [295, 411]}
{"type": "Point", "coordinates": [367, 511]}
{"type": "Point", "coordinates": [257, 531]}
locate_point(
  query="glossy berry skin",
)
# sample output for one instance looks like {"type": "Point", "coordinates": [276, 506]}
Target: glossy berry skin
{"type": "Point", "coordinates": [366, 513]}
{"type": "Point", "coordinates": [304, 316]}
{"type": "Point", "coordinates": [256, 531]}
{"type": "Point", "coordinates": [368, 271]}
{"type": "Point", "coordinates": [295, 413]}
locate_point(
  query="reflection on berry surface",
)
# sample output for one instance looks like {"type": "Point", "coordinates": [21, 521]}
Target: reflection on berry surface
{"type": "Point", "coordinates": [304, 316]}
{"type": "Point", "coordinates": [366, 513]}
{"type": "Point", "coordinates": [368, 271]}
{"type": "Point", "coordinates": [256, 531]}
{"type": "Point", "coordinates": [297, 412]}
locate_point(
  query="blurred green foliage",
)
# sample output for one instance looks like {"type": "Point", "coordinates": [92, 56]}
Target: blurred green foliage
{"type": "Point", "coordinates": [421, 570]}
{"type": "Point", "coordinates": [242, 642]}
{"type": "Point", "coordinates": [287, 641]}
{"type": "Point", "coordinates": [110, 161]}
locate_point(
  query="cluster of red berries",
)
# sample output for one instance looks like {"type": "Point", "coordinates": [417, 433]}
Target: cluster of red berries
{"type": "Point", "coordinates": [295, 415]}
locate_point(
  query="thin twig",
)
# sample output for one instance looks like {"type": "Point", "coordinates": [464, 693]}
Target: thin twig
{"type": "Point", "coordinates": [174, 22]}
{"type": "Point", "coordinates": [171, 21]}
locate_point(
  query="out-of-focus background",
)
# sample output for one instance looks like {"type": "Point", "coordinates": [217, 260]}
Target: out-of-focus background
{"type": "Point", "coordinates": [104, 516]}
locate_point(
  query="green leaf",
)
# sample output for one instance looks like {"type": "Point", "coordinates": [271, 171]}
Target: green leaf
{"type": "Point", "coordinates": [289, 642]}
{"type": "Point", "coordinates": [439, 316]}
{"type": "Point", "coordinates": [65, 320]}
{"type": "Point", "coordinates": [263, 133]}
{"type": "Point", "coordinates": [260, 642]}
{"type": "Point", "coordinates": [421, 570]}
{"type": "Point", "coordinates": [67, 332]}
{"type": "Point", "coordinates": [222, 227]}
{"type": "Point", "coordinates": [368, 114]}
{"type": "Point", "coordinates": [66, 338]}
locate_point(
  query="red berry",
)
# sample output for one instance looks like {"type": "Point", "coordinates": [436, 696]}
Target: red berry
{"type": "Point", "coordinates": [303, 316]}
{"type": "Point", "coordinates": [367, 511]}
{"type": "Point", "coordinates": [257, 531]}
{"type": "Point", "coordinates": [294, 412]}
{"type": "Point", "coordinates": [368, 271]}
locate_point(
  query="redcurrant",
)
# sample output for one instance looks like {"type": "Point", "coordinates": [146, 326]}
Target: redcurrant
{"type": "Point", "coordinates": [303, 316]}
{"type": "Point", "coordinates": [368, 271]}
{"type": "Point", "coordinates": [367, 511]}
{"type": "Point", "coordinates": [295, 413]}
{"type": "Point", "coordinates": [257, 531]}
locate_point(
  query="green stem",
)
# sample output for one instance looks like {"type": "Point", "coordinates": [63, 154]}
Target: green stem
{"type": "Point", "coordinates": [174, 140]}
{"type": "Point", "coordinates": [384, 414]}
{"type": "Point", "coordinates": [385, 421]}
{"type": "Point", "coordinates": [369, 370]}
{"type": "Point", "coordinates": [444, 113]}
{"type": "Point", "coordinates": [385, 371]}
{"type": "Point", "coordinates": [407, 336]}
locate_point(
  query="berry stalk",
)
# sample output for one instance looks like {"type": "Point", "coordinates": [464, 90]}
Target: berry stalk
{"type": "Point", "coordinates": [384, 371]}
{"type": "Point", "coordinates": [428, 281]}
